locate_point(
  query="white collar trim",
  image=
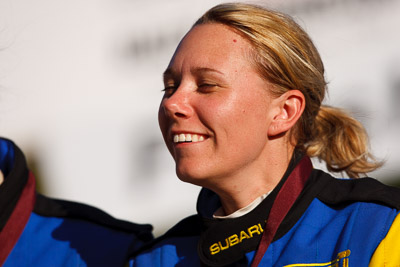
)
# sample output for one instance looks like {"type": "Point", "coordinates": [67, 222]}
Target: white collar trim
{"type": "Point", "coordinates": [220, 214]}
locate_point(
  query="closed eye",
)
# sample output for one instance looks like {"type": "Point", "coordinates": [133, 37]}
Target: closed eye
{"type": "Point", "coordinates": [206, 87]}
{"type": "Point", "coordinates": [169, 90]}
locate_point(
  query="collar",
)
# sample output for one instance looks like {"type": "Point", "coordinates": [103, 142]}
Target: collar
{"type": "Point", "coordinates": [226, 241]}
{"type": "Point", "coordinates": [219, 213]}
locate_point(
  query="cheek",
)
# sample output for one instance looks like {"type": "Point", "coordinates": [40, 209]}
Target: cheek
{"type": "Point", "coordinates": [221, 107]}
{"type": "Point", "coordinates": [248, 120]}
{"type": "Point", "coordinates": [235, 121]}
{"type": "Point", "coordinates": [244, 111]}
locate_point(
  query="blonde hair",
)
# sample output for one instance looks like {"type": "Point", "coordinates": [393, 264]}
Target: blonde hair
{"type": "Point", "coordinates": [284, 55]}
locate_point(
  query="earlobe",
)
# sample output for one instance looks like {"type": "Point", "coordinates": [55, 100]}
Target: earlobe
{"type": "Point", "coordinates": [290, 106]}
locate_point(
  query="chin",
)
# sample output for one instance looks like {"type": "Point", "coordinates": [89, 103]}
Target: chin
{"type": "Point", "coordinates": [192, 177]}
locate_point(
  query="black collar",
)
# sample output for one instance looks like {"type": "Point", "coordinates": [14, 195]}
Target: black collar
{"type": "Point", "coordinates": [223, 242]}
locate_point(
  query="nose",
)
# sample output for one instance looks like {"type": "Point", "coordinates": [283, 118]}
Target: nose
{"type": "Point", "coordinates": [177, 105]}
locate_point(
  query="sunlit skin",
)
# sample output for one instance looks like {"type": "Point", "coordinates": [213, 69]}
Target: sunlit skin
{"type": "Point", "coordinates": [212, 90]}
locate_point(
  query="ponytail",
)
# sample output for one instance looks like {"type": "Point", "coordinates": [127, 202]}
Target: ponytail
{"type": "Point", "coordinates": [342, 142]}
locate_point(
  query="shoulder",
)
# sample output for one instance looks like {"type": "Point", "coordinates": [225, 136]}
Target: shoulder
{"type": "Point", "coordinates": [79, 234]}
{"type": "Point", "coordinates": [364, 205]}
{"type": "Point", "coordinates": [177, 247]}
{"type": "Point", "coordinates": [334, 197]}
{"type": "Point", "coordinates": [48, 207]}
{"type": "Point", "coordinates": [341, 191]}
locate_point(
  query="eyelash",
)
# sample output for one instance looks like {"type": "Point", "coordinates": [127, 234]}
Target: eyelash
{"type": "Point", "coordinates": [206, 85]}
{"type": "Point", "coordinates": [206, 88]}
{"type": "Point", "coordinates": [169, 90]}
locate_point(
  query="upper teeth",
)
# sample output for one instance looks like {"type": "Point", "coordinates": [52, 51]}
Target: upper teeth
{"type": "Point", "coordinates": [188, 138]}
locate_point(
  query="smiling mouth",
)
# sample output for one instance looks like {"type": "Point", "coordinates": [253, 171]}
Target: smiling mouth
{"type": "Point", "coordinates": [188, 138]}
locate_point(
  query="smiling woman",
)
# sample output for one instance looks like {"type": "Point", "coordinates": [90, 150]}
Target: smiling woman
{"type": "Point", "coordinates": [241, 115]}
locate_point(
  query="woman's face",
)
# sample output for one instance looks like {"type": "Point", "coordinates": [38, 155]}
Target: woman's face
{"type": "Point", "coordinates": [216, 110]}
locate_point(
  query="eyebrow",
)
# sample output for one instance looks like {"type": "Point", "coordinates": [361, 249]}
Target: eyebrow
{"type": "Point", "coordinates": [200, 70]}
{"type": "Point", "coordinates": [205, 70]}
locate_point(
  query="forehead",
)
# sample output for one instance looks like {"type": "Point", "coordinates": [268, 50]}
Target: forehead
{"type": "Point", "coordinates": [210, 45]}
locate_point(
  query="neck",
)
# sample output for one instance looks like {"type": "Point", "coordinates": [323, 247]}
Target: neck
{"type": "Point", "coordinates": [239, 190]}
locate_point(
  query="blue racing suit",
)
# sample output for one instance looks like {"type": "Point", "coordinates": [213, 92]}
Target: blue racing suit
{"type": "Point", "coordinates": [333, 222]}
{"type": "Point", "coordinates": [39, 231]}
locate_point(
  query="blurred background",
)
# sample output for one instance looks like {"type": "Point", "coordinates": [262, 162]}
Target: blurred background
{"type": "Point", "coordinates": [80, 85]}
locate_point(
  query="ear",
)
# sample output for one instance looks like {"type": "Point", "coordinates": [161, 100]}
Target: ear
{"type": "Point", "coordinates": [289, 108]}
